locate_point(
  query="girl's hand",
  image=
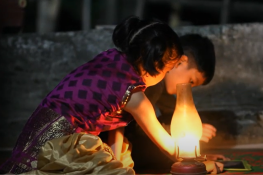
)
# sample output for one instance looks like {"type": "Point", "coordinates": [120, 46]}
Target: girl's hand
{"type": "Point", "coordinates": [209, 131]}
{"type": "Point", "coordinates": [213, 167]}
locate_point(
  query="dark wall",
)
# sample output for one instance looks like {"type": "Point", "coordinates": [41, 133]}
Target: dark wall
{"type": "Point", "coordinates": [31, 65]}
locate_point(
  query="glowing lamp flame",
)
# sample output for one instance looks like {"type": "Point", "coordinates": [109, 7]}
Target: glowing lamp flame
{"type": "Point", "coordinates": [188, 146]}
{"type": "Point", "coordinates": [186, 125]}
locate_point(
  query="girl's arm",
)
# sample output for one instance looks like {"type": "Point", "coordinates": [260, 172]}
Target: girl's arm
{"type": "Point", "coordinates": [142, 110]}
{"type": "Point", "coordinates": [115, 141]}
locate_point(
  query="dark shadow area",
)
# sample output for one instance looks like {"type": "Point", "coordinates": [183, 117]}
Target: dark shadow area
{"type": "Point", "coordinates": [159, 10]}
{"type": "Point", "coordinates": [145, 153]}
{"type": "Point", "coordinates": [4, 155]}
{"type": "Point", "coordinates": [69, 14]}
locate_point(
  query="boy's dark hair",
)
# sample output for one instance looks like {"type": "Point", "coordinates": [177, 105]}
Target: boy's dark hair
{"type": "Point", "coordinates": [147, 43]}
{"type": "Point", "coordinates": [202, 50]}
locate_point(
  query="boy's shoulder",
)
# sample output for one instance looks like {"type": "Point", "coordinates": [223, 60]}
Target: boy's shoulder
{"type": "Point", "coordinates": [153, 93]}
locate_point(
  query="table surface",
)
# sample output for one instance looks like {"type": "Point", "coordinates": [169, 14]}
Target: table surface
{"type": "Point", "coordinates": [253, 157]}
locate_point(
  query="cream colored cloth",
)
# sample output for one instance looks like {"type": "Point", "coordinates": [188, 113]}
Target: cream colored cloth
{"type": "Point", "coordinates": [81, 154]}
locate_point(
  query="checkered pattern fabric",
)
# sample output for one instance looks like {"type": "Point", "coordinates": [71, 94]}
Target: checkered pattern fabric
{"type": "Point", "coordinates": [91, 94]}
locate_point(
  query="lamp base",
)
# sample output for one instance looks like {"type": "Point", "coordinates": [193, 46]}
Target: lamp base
{"type": "Point", "coordinates": [189, 167]}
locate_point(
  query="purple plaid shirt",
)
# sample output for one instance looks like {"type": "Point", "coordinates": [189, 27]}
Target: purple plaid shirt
{"type": "Point", "coordinates": [90, 97]}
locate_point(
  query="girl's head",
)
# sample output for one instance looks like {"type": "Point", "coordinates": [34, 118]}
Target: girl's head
{"type": "Point", "coordinates": [151, 47]}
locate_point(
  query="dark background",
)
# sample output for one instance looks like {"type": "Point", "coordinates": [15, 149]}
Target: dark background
{"type": "Point", "coordinates": [42, 40]}
{"type": "Point", "coordinates": [43, 16]}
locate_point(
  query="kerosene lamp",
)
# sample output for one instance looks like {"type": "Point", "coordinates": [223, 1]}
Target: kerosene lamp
{"type": "Point", "coordinates": [186, 129]}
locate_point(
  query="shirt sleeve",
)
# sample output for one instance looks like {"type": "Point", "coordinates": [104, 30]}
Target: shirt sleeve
{"type": "Point", "coordinates": [130, 90]}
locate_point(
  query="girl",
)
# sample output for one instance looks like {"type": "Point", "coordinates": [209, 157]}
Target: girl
{"type": "Point", "coordinates": [94, 97]}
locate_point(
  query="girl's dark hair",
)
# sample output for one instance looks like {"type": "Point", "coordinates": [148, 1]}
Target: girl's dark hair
{"type": "Point", "coordinates": [147, 43]}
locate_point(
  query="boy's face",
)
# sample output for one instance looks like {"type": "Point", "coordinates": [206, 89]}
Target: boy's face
{"type": "Point", "coordinates": [181, 73]}
{"type": "Point", "coordinates": [153, 80]}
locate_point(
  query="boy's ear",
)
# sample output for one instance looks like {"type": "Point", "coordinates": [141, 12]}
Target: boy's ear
{"type": "Point", "coordinates": [183, 59]}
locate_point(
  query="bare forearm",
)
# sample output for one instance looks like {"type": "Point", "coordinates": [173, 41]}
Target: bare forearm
{"type": "Point", "coordinates": [115, 141]}
{"type": "Point", "coordinates": [158, 135]}
{"type": "Point", "coordinates": [143, 112]}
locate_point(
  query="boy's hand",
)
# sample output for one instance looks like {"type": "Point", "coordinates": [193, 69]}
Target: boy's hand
{"type": "Point", "coordinates": [209, 131]}
{"type": "Point", "coordinates": [215, 157]}
{"type": "Point", "coordinates": [213, 167]}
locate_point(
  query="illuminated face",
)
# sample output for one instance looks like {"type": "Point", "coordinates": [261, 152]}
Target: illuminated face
{"type": "Point", "coordinates": [181, 73]}
{"type": "Point", "coordinates": [153, 80]}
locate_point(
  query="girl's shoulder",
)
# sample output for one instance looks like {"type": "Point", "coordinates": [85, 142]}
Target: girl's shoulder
{"type": "Point", "coordinates": [110, 54]}
{"type": "Point", "coordinates": [109, 69]}
{"type": "Point", "coordinates": [112, 63]}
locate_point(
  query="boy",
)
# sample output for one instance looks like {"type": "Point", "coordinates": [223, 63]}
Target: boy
{"type": "Point", "coordinates": [197, 67]}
